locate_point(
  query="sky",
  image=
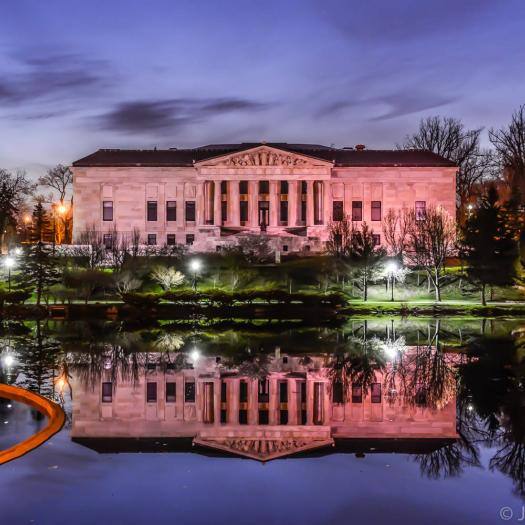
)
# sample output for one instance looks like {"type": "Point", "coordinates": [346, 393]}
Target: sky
{"type": "Point", "coordinates": [76, 76]}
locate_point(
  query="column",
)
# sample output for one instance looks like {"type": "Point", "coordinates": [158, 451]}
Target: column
{"type": "Point", "coordinates": [199, 204]}
{"type": "Point", "coordinates": [310, 203]}
{"type": "Point", "coordinates": [273, 406]}
{"type": "Point", "coordinates": [292, 202]}
{"type": "Point", "coordinates": [309, 402]}
{"type": "Point", "coordinates": [208, 202]}
{"type": "Point", "coordinates": [217, 401]}
{"type": "Point", "coordinates": [274, 203]}
{"type": "Point", "coordinates": [233, 401]}
{"type": "Point", "coordinates": [217, 215]}
{"type": "Point", "coordinates": [233, 202]}
{"type": "Point", "coordinates": [327, 191]}
{"type": "Point", "coordinates": [253, 203]}
{"type": "Point", "coordinates": [293, 402]}
{"type": "Point", "coordinates": [253, 401]}
{"type": "Point", "coordinates": [318, 202]}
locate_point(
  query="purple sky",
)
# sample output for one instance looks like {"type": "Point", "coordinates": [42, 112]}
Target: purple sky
{"type": "Point", "coordinates": [77, 76]}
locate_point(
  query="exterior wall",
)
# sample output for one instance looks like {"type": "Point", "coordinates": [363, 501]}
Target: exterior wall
{"type": "Point", "coordinates": [129, 188]}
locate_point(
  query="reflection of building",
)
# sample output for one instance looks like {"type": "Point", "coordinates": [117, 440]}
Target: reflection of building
{"type": "Point", "coordinates": [294, 409]}
{"type": "Point", "coordinates": [208, 195]}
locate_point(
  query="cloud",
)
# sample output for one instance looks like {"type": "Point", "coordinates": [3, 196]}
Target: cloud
{"type": "Point", "coordinates": [39, 79]}
{"type": "Point", "coordinates": [139, 116]}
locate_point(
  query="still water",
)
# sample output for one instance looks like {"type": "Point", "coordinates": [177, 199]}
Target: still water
{"type": "Point", "coordinates": [378, 421]}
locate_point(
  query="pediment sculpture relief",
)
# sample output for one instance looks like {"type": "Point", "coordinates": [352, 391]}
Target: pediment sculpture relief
{"type": "Point", "coordinates": [263, 158]}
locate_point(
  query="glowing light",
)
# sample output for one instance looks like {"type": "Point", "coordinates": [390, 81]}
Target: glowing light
{"type": "Point", "coordinates": [195, 354]}
{"type": "Point", "coordinates": [470, 207]}
{"type": "Point", "coordinates": [9, 360]}
{"type": "Point", "coordinates": [18, 251]}
{"type": "Point", "coordinates": [9, 262]}
{"type": "Point", "coordinates": [470, 407]}
{"type": "Point", "coordinates": [27, 219]}
{"type": "Point", "coordinates": [391, 267]}
{"type": "Point", "coordinates": [195, 265]}
{"type": "Point", "coordinates": [62, 209]}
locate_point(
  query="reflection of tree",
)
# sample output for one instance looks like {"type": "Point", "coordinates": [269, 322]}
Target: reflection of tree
{"type": "Point", "coordinates": [357, 363]}
{"type": "Point", "coordinates": [510, 460]}
{"type": "Point", "coordinates": [38, 356]}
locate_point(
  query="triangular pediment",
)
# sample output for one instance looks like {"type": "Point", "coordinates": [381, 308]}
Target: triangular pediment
{"type": "Point", "coordinates": [264, 156]}
{"type": "Point", "coordinates": [263, 449]}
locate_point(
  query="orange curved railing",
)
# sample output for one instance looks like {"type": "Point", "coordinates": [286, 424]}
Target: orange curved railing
{"type": "Point", "coordinates": [53, 411]}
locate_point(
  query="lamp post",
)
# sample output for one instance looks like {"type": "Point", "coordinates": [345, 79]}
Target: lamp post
{"type": "Point", "coordinates": [195, 266]}
{"type": "Point", "coordinates": [9, 262]}
{"type": "Point", "coordinates": [391, 269]}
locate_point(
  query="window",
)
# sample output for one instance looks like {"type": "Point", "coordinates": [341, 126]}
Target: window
{"type": "Point", "coordinates": [376, 392]}
{"type": "Point", "coordinates": [303, 211]}
{"type": "Point", "coordinates": [171, 240]}
{"type": "Point", "coordinates": [357, 394]}
{"type": "Point", "coordinates": [224, 187]}
{"type": "Point", "coordinates": [151, 392]}
{"type": "Point", "coordinates": [152, 211]}
{"type": "Point", "coordinates": [171, 391]}
{"type": "Point", "coordinates": [189, 392]}
{"type": "Point", "coordinates": [224, 210]}
{"type": "Point", "coordinates": [264, 186]}
{"type": "Point", "coordinates": [190, 239]}
{"type": "Point", "coordinates": [190, 211]}
{"type": "Point", "coordinates": [357, 210]}
{"type": "Point", "coordinates": [152, 239]}
{"type": "Point", "coordinates": [283, 212]}
{"type": "Point", "coordinates": [243, 187]}
{"type": "Point", "coordinates": [285, 247]}
{"type": "Point", "coordinates": [171, 211]}
{"type": "Point", "coordinates": [243, 392]}
{"type": "Point", "coordinates": [107, 211]}
{"type": "Point", "coordinates": [243, 211]}
{"type": "Point", "coordinates": [107, 392]}
{"type": "Point", "coordinates": [421, 397]}
{"type": "Point", "coordinates": [284, 187]}
{"type": "Point", "coordinates": [376, 211]}
{"type": "Point", "coordinates": [337, 210]}
{"type": "Point", "coordinates": [264, 417]}
{"type": "Point", "coordinates": [283, 392]}
{"type": "Point", "coordinates": [264, 391]}
{"type": "Point", "coordinates": [421, 210]}
{"type": "Point", "coordinates": [376, 239]}
{"type": "Point", "coordinates": [224, 391]}
{"type": "Point", "coordinates": [107, 239]}
{"type": "Point", "coordinates": [306, 247]}
{"type": "Point", "coordinates": [337, 392]}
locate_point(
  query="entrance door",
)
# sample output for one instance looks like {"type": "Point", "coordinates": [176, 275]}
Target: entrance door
{"type": "Point", "coordinates": [264, 214]}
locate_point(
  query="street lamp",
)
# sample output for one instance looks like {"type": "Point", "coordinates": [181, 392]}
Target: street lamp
{"type": "Point", "coordinates": [195, 266]}
{"type": "Point", "coordinates": [9, 262]}
{"type": "Point", "coordinates": [391, 269]}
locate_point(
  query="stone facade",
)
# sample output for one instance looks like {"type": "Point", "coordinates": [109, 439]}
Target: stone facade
{"type": "Point", "coordinates": [209, 196]}
{"type": "Point", "coordinates": [295, 407]}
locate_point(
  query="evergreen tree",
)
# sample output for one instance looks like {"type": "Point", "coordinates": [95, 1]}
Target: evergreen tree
{"type": "Point", "coordinates": [41, 225]}
{"type": "Point", "coordinates": [39, 269]}
{"type": "Point", "coordinates": [365, 255]}
{"type": "Point", "coordinates": [488, 246]}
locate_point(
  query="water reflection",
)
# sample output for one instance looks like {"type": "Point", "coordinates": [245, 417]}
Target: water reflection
{"type": "Point", "coordinates": [441, 389]}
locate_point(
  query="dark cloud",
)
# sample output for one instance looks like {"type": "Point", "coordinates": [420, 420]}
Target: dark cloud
{"type": "Point", "coordinates": [141, 116]}
{"type": "Point", "coordinates": [54, 78]}
{"type": "Point", "coordinates": [402, 20]}
{"type": "Point", "coordinates": [408, 103]}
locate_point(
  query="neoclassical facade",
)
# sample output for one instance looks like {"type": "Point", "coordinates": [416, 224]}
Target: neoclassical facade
{"type": "Point", "coordinates": [209, 196]}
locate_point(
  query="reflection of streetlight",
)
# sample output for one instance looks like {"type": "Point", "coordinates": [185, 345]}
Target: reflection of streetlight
{"type": "Point", "coordinates": [8, 360]}
{"type": "Point", "coordinates": [391, 269]}
{"type": "Point", "coordinates": [195, 266]}
{"type": "Point", "coordinates": [18, 251]}
{"type": "Point", "coordinates": [9, 262]}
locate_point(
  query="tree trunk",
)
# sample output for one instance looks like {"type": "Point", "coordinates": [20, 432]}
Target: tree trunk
{"type": "Point", "coordinates": [365, 288]}
{"type": "Point", "coordinates": [483, 298]}
{"type": "Point", "coordinates": [437, 285]}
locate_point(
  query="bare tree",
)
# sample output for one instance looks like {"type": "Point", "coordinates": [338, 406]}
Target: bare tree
{"type": "Point", "coordinates": [14, 188]}
{"type": "Point", "coordinates": [339, 241]}
{"type": "Point", "coordinates": [431, 241]}
{"type": "Point", "coordinates": [167, 277]}
{"type": "Point", "coordinates": [509, 143]}
{"type": "Point", "coordinates": [396, 228]}
{"type": "Point", "coordinates": [125, 282]}
{"type": "Point", "coordinates": [59, 179]}
{"type": "Point", "coordinates": [91, 247]}
{"type": "Point", "coordinates": [448, 137]}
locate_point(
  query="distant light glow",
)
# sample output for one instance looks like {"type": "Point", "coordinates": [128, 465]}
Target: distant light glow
{"type": "Point", "coordinates": [9, 262]}
{"type": "Point", "coordinates": [195, 354]}
{"type": "Point", "coordinates": [391, 267]}
{"type": "Point", "coordinates": [9, 360]}
{"type": "Point", "coordinates": [470, 407]}
{"type": "Point", "coordinates": [18, 251]}
{"type": "Point", "coordinates": [195, 265]}
{"type": "Point", "coordinates": [62, 209]}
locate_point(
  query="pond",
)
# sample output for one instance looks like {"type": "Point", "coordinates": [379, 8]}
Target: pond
{"type": "Point", "coordinates": [377, 421]}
